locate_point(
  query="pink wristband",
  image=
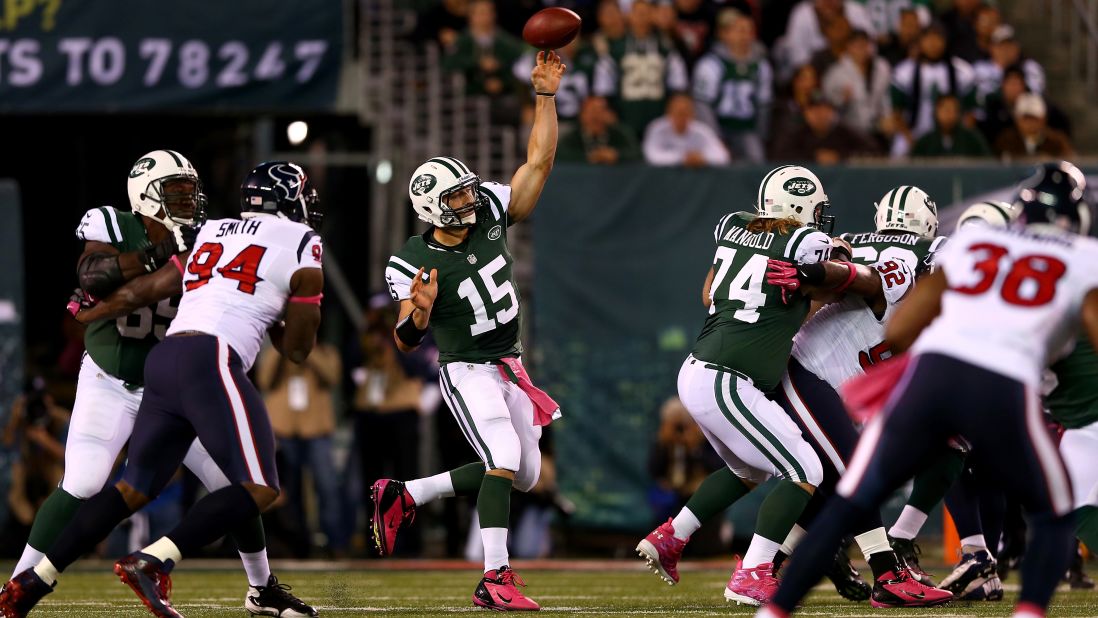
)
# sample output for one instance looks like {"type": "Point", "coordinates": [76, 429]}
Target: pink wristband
{"type": "Point", "coordinates": [308, 300]}
{"type": "Point", "coordinates": [850, 278]}
{"type": "Point", "coordinates": [178, 264]}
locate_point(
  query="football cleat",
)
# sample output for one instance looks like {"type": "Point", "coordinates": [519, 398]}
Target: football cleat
{"type": "Point", "coordinates": [275, 599]}
{"type": "Point", "coordinates": [755, 586]}
{"type": "Point", "coordinates": [975, 578]}
{"type": "Point", "coordinates": [902, 590]}
{"type": "Point", "coordinates": [908, 551]}
{"type": "Point", "coordinates": [662, 551]}
{"type": "Point", "coordinates": [22, 593]}
{"type": "Point", "coordinates": [394, 509]}
{"type": "Point", "coordinates": [150, 579]}
{"type": "Point", "coordinates": [848, 582]}
{"type": "Point", "coordinates": [498, 591]}
{"type": "Point", "coordinates": [1076, 575]}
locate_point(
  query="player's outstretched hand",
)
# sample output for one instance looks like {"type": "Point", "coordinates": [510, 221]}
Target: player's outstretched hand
{"type": "Point", "coordinates": [425, 290]}
{"type": "Point", "coordinates": [79, 301]}
{"type": "Point", "coordinates": [547, 72]}
{"type": "Point", "coordinates": [784, 275]}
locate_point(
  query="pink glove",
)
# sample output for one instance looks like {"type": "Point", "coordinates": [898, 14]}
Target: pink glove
{"type": "Point", "coordinates": [79, 301]}
{"type": "Point", "coordinates": [783, 275]}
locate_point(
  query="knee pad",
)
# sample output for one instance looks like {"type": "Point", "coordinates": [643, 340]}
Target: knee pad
{"type": "Point", "coordinates": [528, 474]}
{"type": "Point", "coordinates": [88, 476]}
{"type": "Point", "coordinates": [504, 447]}
{"type": "Point", "coordinates": [813, 469]}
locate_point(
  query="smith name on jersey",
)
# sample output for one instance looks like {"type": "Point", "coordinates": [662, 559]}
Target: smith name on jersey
{"type": "Point", "coordinates": [475, 318]}
{"type": "Point", "coordinates": [120, 345]}
{"type": "Point", "coordinates": [237, 278]}
{"type": "Point", "coordinates": [749, 329]}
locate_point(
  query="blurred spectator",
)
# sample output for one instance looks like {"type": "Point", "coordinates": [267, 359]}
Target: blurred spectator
{"type": "Point", "coordinates": [679, 139]}
{"type": "Point", "coordinates": [916, 84]}
{"type": "Point", "coordinates": [822, 139]}
{"type": "Point", "coordinates": [988, 18]}
{"type": "Point", "coordinates": [858, 86]}
{"type": "Point", "coordinates": [804, 36]}
{"type": "Point", "coordinates": [904, 43]}
{"type": "Point", "coordinates": [36, 431]}
{"type": "Point", "coordinates": [299, 401]}
{"type": "Point", "coordinates": [643, 67]}
{"type": "Point", "coordinates": [837, 32]}
{"type": "Point", "coordinates": [735, 82]}
{"type": "Point", "coordinates": [678, 461]}
{"type": "Point", "coordinates": [485, 55]}
{"type": "Point", "coordinates": [1031, 136]}
{"type": "Point", "coordinates": [886, 15]}
{"type": "Point", "coordinates": [790, 106]}
{"type": "Point", "coordinates": [442, 22]}
{"type": "Point", "coordinates": [599, 138]}
{"type": "Point", "coordinates": [998, 110]}
{"type": "Point", "coordinates": [950, 138]}
{"type": "Point", "coordinates": [694, 28]}
{"type": "Point", "coordinates": [960, 29]}
{"type": "Point", "coordinates": [576, 84]}
{"type": "Point", "coordinates": [1006, 53]}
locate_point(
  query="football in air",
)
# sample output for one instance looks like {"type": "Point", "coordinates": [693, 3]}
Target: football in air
{"type": "Point", "coordinates": [551, 28]}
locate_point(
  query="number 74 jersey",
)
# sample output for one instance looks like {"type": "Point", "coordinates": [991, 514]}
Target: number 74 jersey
{"type": "Point", "coordinates": [475, 318]}
{"type": "Point", "coordinates": [1013, 299]}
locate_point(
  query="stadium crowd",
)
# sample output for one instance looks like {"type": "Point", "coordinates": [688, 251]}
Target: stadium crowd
{"type": "Point", "coordinates": [811, 80]}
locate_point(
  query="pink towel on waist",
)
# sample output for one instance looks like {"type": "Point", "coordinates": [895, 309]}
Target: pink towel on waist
{"type": "Point", "coordinates": [866, 395]}
{"type": "Point", "coordinates": [545, 409]}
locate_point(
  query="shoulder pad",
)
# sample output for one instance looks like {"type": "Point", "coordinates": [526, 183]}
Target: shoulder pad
{"type": "Point", "coordinates": [100, 225]}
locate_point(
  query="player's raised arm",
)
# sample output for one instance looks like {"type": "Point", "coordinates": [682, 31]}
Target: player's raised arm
{"type": "Point", "coordinates": [415, 311]}
{"type": "Point", "coordinates": [528, 181]}
{"type": "Point", "coordinates": [916, 312]}
{"type": "Point", "coordinates": [295, 340]}
{"type": "Point", "coordinates": [136, 293]}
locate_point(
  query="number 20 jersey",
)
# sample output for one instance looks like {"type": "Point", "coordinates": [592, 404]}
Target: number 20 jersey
{"type": "Point", "coordinates": [1013, 298]}
{"type": "Point", "coordinates": [475, 318]}
{"type": "Point", "coordinates": [237, 278]}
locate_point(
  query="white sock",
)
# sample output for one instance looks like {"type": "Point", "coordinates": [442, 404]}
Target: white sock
{"type": "Point", "coordinates": [685, 524]}
{"type": "Point", "coordinates": [908, 524]}
{"type": "Point", "coordinates": [796, 533]}
{"type": "Point", "coordinates": [873, 542]}
{"type": "Point", "coordinates": [164, 550]}
{"type": "Point", "coordinates": [973, 544]}
{"type": "Point", "coordinates": [761, 551]}
{"type": "Point", "coordinates": [257, 567]}
{"type": "Point", "coordinates": [30, 557]}
{"type": "Point", "coordinates": [46, 571]}
{"type": "Point", "coordinates": [495, 547]}
{"type": "Point", "coordinates": [431, 488]}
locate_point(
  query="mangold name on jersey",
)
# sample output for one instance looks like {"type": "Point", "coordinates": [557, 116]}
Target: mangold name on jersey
{"type": "Point", "coordinates": [741, 236]}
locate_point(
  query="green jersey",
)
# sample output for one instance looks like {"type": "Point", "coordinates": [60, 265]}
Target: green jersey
{"type": "Point", "coordinates": [749, 329]}
{"type": "Point", "coordinates": [737, 91]}
{"type": "Point", "coordinates": [475, 318]}
{"type": "Point", "coordinates": [914, 250]}
{"type": "Point", "coordinates": [1074, 401]}
{"type": "Point", "coordinates": [644, 72]}
{"type": "Point", "coordinates": [119, 346]}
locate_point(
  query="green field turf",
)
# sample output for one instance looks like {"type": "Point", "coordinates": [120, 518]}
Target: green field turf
{"type": "Point", "coordinates": [621, 592]}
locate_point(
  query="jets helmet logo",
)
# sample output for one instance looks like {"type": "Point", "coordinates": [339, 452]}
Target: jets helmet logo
{"type": "Point", "coordinates": [289, 180]}
{"type": "Point", "coordinates": [423, 184]}
{"type": "Point", "coordinates": [799, 186]}
{"type": "Point", "coordinates": [142, 166]}
{"type": "Point", "coordinates": [495, 233]}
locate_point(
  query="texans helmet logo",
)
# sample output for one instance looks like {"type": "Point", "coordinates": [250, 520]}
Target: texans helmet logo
{"type": "Point", "coordinates": [289, 180]}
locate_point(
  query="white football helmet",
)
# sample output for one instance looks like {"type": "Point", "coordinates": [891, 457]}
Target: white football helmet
{"type": "Point", "coordinates": [907, 209]}
{"type": "Point", "coordinates": [794, 191]}
{"type": "Point", "coordinates": [434, 181]}
{"type": "Point", "coordinates": [146, 189]}
{"type": "Point", "coordinates": [997, 214]}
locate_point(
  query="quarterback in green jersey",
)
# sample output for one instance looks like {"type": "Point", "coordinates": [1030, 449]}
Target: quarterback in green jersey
{"type": "Point", "coordinates": [147, 243]}
{"type": "Point", "coordinates": [456, 279]}
{"type": "Point", "coordinates": [739, 358]}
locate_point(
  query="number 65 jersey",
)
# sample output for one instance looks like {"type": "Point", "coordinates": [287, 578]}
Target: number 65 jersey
{"type": "Point", "coordinates": [237, 279]}
{"type": "Point", "coordinates": [475, 318]}
{"type": "Point", "coordinates": [1013, 299]}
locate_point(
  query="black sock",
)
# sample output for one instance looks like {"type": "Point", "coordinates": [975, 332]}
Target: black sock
{"type": "Point", "coordinates": [92, 522]}
{"type": "Point", "coordinates": [816, 553]}
{"type": "Point", "coordinates": [883, 562]}
{"type": "Point", "coordinates": [1043, 568]}
{"type": "Point", "coordinates": [212, 517]}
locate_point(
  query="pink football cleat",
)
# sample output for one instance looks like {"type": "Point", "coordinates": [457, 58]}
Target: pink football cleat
{"type": "Point", "coordinates": [393, 510]}
{"type": "Point", "coordinates": [497, 591]}
{"type": "Point", "coordinates": [753, 586]}
{"type": "Point", "coordinates": [902, 590]}
{"type": "Point", "coordinates": [663, 551]}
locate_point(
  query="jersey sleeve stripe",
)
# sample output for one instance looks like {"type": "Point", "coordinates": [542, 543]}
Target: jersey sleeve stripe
{"type": "Point", "coordinates": [112, 224]}
{"type": "Point", "coordinates": [937, 244]}
{"type": "Point", "coordinates": [447, 165]}
{"type": "Point", "coordinates": [304, 243]}
{"type": "Point", "coordinates": [401, 266]}
{"type": "Point", "coordinates": [717, 233]}
{"type": "Point", "coordinates": [497, 205]}
{"type": "Point", "coordinates": [791, 246]}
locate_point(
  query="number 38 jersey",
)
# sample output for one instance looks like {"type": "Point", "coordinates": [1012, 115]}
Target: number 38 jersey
{"type": "Point", "coordinates": [843, 338]}
{"type": "Point", "coordinates": [120, 346]}
{"type": "Point", "coordinates": [475, 318]}
{"type": "Point", "coordinates": [749, 329]}
{"type": "Point", "coordinates": [237, 279]}
{"type": "Point", "coordinates": [1013, 299]}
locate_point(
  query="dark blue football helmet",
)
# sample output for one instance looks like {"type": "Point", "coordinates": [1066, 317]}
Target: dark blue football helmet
{"type": "Point", "coordinates": [1054, 194]}
{"type": "Point", "coordinates": [281, 188]}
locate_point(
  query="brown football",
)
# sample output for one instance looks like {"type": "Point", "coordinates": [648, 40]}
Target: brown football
{"type": "Point", "coordinates": [551, 28]}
